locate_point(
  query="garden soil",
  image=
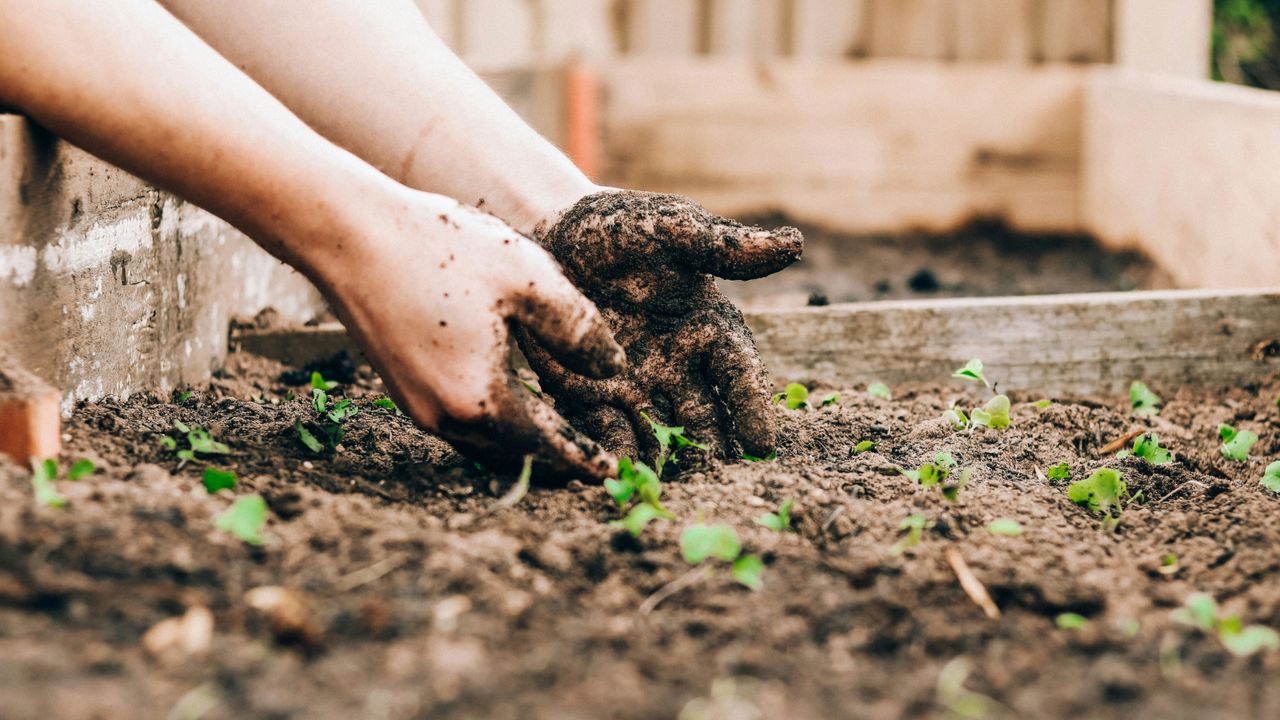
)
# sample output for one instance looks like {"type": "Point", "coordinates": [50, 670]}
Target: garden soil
{"type": "Point", "coordinates": [978, 260]}
{"type": "Point", "coordinates": [393, 585]}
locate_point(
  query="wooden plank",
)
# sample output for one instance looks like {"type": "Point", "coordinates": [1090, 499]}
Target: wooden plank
{"type": "Point", "coordinates": [751, 28]}
{"type": "Point", "coordinates": [1064, 344]}
{"type": "Point", "coordinates": [661, 27]}
{"type": "Point", "coordinates": [1073, 30]}
{"type": "Point", "coordinates": [993, 30]}
{"type": "Point", "coordinates": [859, 147]}
{"type": "Point", "coordinates": [1185, 170]}
{"type": "Point", "coordinates": [496, 34]}
{"type": "Point", "coordinates": [574, 30]}
{"type": "Point", "coordinates": [829, 28]}
{"type": "Point", "coordinates": [912, 29]}
{"type": "Point", "coordinates": [1165, 36]}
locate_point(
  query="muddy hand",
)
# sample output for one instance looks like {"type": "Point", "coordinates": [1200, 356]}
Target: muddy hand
{"type": "Point", "coordinates": [432, 300]}
{"type": "Point", "coordinates": [647, 260]}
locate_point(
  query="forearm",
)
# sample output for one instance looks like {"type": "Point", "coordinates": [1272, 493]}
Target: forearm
{"type": "Point", "coordinates": [374, 78]}
{"type": "Point", "coordinates": [126, 81]}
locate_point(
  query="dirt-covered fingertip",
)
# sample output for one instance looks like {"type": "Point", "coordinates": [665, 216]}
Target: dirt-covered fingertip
{"type": "Point", "coordinates": [740, 252]}
{"type": "Point", "coordinates": [571, 329]}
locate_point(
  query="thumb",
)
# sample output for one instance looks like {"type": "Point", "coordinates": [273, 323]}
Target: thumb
{"type": "Point", "coordinates": [568, 324]}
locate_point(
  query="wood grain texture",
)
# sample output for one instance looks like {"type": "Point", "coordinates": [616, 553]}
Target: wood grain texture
{"type": "Point", "coordinates": [1096, 343]}
{"type": "Point", "coordinates": [993, 30]}
{"type": "Point", "coordinates": [829, 28]}
{"type": "Point", "coordinates": [1073, 30]}
{"type": "Point", "coordinates": [661, 27]}
{"type": "Point", "coordinates": [912, 29]}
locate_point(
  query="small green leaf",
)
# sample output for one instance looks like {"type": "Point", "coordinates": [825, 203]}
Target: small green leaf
{"type": "Point", "coordinates": [1005, 526]}
{"type": "Point", "coordinates": [1101, 491]}
{"type": "Point", "coordinates": [1071, 621]}
{"type": "Point", "coordinates": [879, 390]}
{"type": "Point", "coordinates": [1199, 610]}
{"type": "Point", "coordinates": [914, 526]}
{"type": "Point", "coordinates": [972, 371]}
{"type": "Point", "coordinates": [1058, 472]}
{"type": "Point", "coordinates": [831, 399]}
{"type": "Point", "coordinates": [1148, 448]}
{"type": "Point", "coordinates": [768, 458]}
{"type": "Point", "coordinates": [307, 438]}
{"type": "Point", "coordinates": [244, 519]}
{"type": "Point", "coordinates": [168, 443]}
{"type": "Point", "coordinates": [531, 388]}
{"type": "Point", "coordinates": [202, 442]}
{"type": "Point", "coordinates": [636, 520]}
{"type": "Point", "coordinates": [1043, 403]}
{"type": "Point", "coordinates": [944, 459]}
{"type": "Point", "coordinates": [182, 399]}
{"type": "Point", "coordinates": [863, 446]}
{"type": "Point", "coordinates": [779, 521]}
{"type": "Point", "coordinates": [1144, 402]}
{"type": "Point", "coordinates": [387, 404]}
{"type": "Point", "coordinates": [700, 542]}
{"type": "Point", "coordinates": [956, 418]}
{"type": "Point", "coordinates": [319, 383]}
{"type": "Point", "coordinates": [319, 399]}
{"type": "Point", "coordinates": [995, 414]}
{"type": "Point", "coordinates": [186, 455]}
{"type": "Point", "coordinates": [1250, 640]}
{"type": "Point", "coordinates": [82, 468]}
{"type": "Point", "coordinates": [955, 483]}
{"type": "Point", "coordinates": [748, 570]}
{"type": "Point", "coordinates": [1236, 443]}
{"type": "Point", "coordinates": [181, 426]}
{"type": "Point", "coordinates": [43, 477]}
{"type": "Point", "coordinates": [1271, 477]}
{"type": "Point", "coordinates": [1169, 564]}
{"type": "Point", "coordinates": [797, 396]}
{"type": "Point", "coordinates": [619, 490]}
{"type": "Point", "coordinates": [216, 479]}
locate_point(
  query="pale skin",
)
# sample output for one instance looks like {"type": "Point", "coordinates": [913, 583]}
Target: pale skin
{"type": "Point", "coordinates": [348, 141]}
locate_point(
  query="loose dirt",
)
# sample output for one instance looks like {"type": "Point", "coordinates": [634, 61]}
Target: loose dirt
{"type": "Point", "coordinates": [981, 259]}
{"type": "Point", "coordinates": [408, 593]}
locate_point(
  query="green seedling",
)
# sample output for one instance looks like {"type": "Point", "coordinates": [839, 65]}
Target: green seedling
{"type": "Point", "coordinates": [184, 397]}
{"type": "Point", "coordinates": [638, 519]}
{"type": "Point", "coordinates": [995, 414]}
{"type": "Point", "coordinates": [1236, 443]}
{"type": "Point", "coordinates": [319, 383]}
{"type": "Point", "coordinates": [1169, 564]}
{"type": "Point", "coordinates": [521, 488]}
{"type": "Point", "coordinates": [699, 543]}
{"type": "Point", "coordinates": [972, 371]}
{"type": "Point", "coordinates": [216, 479]}
{"type": "Point", "coordinates": [244, 519]}
{"type": "Point", "coordinates": [1058, 473]}
{"type": "Point", "coordinates": [941, 473]}
{"type": "Point", "coordinates": [44, 478]}
{"type": "Point", "coordinates": [327, 430]}
{"type": "Point", "coordinates": [387, 403]}
{"type": "Point", "coordinates": [81, 469]}
{"type": "Point", "coordinates": [959, 701]}
{"type": "Point", "coordinates": [914, 527]}
{"type": "Point", "coordinates": [767, 458]}
{"type": "Point", "coordinates": [1144, 402]}
{"type": "Point", "coordinates": [832, 399]}
{"type": "Point", "coordinates": [956, 417]}
{"type": "Point", "coordinates": [671, 440]}
{"type": "Point", "coordinates": [781, 520]}
{"type": "Point", "coordinates": [879, 390]}
{"type": "Point", "coordinates": [199, 441]}
{"type": "Point", "coordinates": [1103, 491]}
{"type": "Point", "coordinates": [1071, 621]}
{"type": "Point", "coordinates": [637, 481]}
{"type": "Point", "coordinates": [1201, 611]}
{"type": "Point", "coordinates": [1005, 526]}
{"type": "Point", "coordinates": [1271, 477]}
{"type": "Point", "coordinates": [1043, 403]}
{"type": "Point", "coordinates": [794, 397]}
{"type": "Point", "coordinates": [1148, 448]}
{"type": "Point", "coordinates": [864, 446]}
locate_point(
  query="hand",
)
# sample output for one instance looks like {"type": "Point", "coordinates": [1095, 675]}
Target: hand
{"type": "Point", "coordinates": [429, 290]}
{"type": "Point", "coordinates": [647, 261]}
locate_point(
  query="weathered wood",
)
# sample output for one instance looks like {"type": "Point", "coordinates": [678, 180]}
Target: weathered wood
{"type": "Point", "coordinates": [1096, 343]}
{"type": "Point", "coordinates": [829, 28]}
{"type": "Point", "coordinates": [1073, 30]}
{"type": "Point", "coordinates": [993, 30]}
{"type": "Point", "coordinates": [750, 28]}
{"type": "Point", "coordinates": [1164, 36]}
{"type": "Point", "coordinates": [496, 34]}
{"type": "Point", "coordinates": [574, 30]}
{"type": "Point", "coordinates": [1187, 171]}
{"type": "Point", "coordinates": [860, 147]}
{"type": "Point", "coordinates": [912, 29]}
{"type": "Point", "coordinates": [661, 27]}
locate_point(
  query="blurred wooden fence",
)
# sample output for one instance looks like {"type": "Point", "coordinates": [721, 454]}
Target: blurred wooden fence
{"type": "Point", "coordinates": [505, 34]}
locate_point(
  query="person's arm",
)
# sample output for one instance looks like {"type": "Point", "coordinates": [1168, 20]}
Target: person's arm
{"type": "Point", "coordinates": [427, 287]}
{"type": "Point", "coordinates": [373, 77]}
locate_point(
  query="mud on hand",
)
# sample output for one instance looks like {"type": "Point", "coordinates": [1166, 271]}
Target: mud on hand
{"type": "Point", "coordinates": [647, 260]}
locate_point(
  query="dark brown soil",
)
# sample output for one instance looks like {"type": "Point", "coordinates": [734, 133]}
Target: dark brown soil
{"type": "Point", "coordinates": [418, 598]}
{"type": "Point", "coordinates": [981, 259]}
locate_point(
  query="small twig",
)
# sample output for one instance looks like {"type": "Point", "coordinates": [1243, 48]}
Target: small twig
{"type": "Point", "coordinates": [366, 575]}
{"type": "Point", "coordinates": [518, 491]}
{"type": "Point", "coordinates": [689, 579]}
{"type": "Point", "coordinates": [1119, 443]}
{"type": "Point", "coordinates": [972, 586]}
{"type": "Point", "coordinates": [832, 518]}
{"type": "Point", "coordinates": [1181, 487]}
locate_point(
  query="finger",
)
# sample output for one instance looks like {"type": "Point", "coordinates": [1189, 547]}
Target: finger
{"type": "Point", "coordinates": [519, 424]}
{"type": "Point", "coordinates": [726, 248]}
{"type": "Point", "coordinates": [743, 382]}
{"type": "Point", "coordinates": [697, 409]}
{"type": "Point", "coordinates": [611, 428]}
{"type": "Point", "coordinates": [567, 324]}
